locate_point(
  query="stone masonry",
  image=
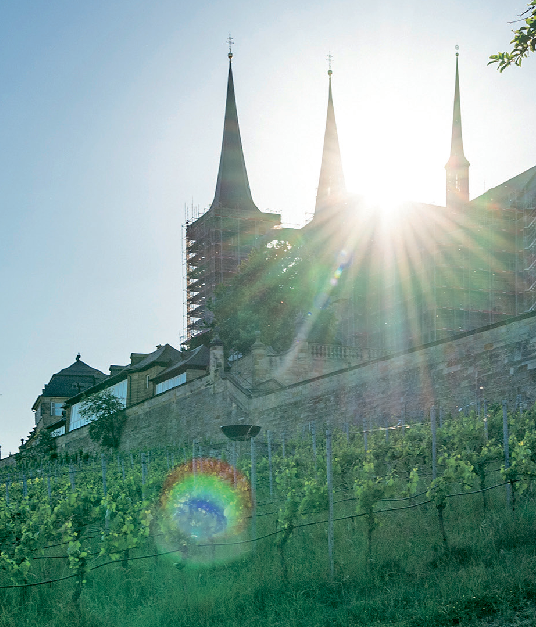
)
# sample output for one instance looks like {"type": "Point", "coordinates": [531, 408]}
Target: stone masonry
{"type": "Point", "coordinates": [494, 363]}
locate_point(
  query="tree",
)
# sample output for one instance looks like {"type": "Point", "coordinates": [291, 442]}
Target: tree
{"type": "Point", "coordinates": [46, 444]}
{"type": "Point", "coordinates": [282, 290]}
{"type": "Point", "coordinates": [107, 415]}
{"type": "Point", "coordinates": [524, 41]}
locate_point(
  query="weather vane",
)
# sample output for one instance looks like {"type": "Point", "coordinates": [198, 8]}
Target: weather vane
{"type": "Point", "coordinates": [329, 60]}
{"type": "Point", "coordinates": [230, 41]}
{"type": "Point", "coordinates": [457, 48]}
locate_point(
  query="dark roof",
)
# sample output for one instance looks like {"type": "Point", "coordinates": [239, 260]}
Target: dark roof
{"type": "Point", "coordinates": [71, 380]}
{"type": "Point", "coordinates": [197, 359]}
{"type": "Point", "coordinates": [232, 186]}
{"type": "Point", "coordinates": [164, 355]}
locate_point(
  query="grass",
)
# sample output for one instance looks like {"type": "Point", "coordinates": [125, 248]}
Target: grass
{"type": "Point", "coordinates": [488, 575]}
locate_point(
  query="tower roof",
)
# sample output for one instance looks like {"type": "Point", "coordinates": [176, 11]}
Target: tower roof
{"type": "Point", "coordinates": [71, 380]}
{"type": "Point", "coordinates": [331, 186]}
{"type": "Point", "coordinates": [232, 186]}
{"type": "Point", "coordinates": [457, 158]}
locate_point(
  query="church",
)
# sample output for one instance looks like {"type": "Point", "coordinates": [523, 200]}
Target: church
{"type": "Point", "coordinates": [440, 309]}
{"type": "Point", "coordinates": [442, 270]}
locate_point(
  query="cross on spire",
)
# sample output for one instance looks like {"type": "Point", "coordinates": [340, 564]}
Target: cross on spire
{"type": "Point", "coordinates": [230, 41]}
{"type": "Point", "coordinates": [329, 59]}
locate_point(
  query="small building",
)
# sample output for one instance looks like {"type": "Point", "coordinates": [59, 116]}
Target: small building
{"type": "Point", "coordinates": [131, 384]}
{"type": "Point", "coordinates": [73, 380]}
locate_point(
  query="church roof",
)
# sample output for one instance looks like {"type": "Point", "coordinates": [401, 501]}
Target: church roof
{"type": "Point", "coordinates": [503, 193]}
{"type": "Point", "coordinates": [331, 190]}
{"type": "Point", "coordinates": [71, 380]}
{"type": "Point", "coordinates": [457, 157]}
{"type": "Point", "coordinates": [232, 186]}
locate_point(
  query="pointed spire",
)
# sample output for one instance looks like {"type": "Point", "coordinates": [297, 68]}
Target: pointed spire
{"type": "Point", "coordinates": [331, 187]}
{"type": "Point", "coordinates": [232, 186]}
{"type": "Point", "coordinates": [457, 166]}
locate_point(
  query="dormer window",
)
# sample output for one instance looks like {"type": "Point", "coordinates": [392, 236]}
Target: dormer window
{"type": "Point", "coordinates": [56, 409]}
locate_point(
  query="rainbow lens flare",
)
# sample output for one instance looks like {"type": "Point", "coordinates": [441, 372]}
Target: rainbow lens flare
{"type": "Point", "coordinates": [204, 500]}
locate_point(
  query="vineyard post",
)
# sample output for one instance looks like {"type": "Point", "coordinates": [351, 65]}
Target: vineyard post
{"type": "Point", "coordinates": [131, 460]}
{"type": "Point", "coordinates": [253, 496]}
{"type": "Point", "coordinates": [485, 420]}
{"type": "Point", "coordinates": [270, 469]}
{"type": "Point", "coordinates": [234, 463]}
{"type": "Point", "coordinates": [103, 470]}
{"type": "Point", "coordinates": [347, 431]}
{"type": "Point", "coordinates": [143, 471]}
{"type": "Point", "coordinates": [506, 452]}
{"type": "Point", "coordinates": [313, 435]}
{"type": "Point", "coordinates": [118, 463]}
{"type": "Point", "coordinates": [194, 463]}
{"type": "Point", "coordinates": [71, 477]}
{"type": "Point", "coordinates": [434, 443]}
{"type": "Point", "coordinates": [329, 470]}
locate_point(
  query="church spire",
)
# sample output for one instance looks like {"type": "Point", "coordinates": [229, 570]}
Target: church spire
{"type": "Point", "coordinates": [331, 187]}
{"type": "Point", "coordinates": [232, 186]}
{"type": "Point", "coordinates": [457, 166]}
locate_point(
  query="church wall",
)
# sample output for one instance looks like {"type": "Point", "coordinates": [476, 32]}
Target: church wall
{"type": "Point", "coordinates": [494, 364]}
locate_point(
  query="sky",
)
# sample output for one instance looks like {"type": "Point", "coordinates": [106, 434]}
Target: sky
{"type": "Point", "coordinates": [111, 119]}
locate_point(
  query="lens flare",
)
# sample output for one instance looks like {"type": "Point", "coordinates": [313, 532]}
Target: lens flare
{"type": "Point", "coordinates": [203, 501]}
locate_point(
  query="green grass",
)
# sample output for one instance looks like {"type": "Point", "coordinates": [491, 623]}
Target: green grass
{"type": "Point", "coordinates": [489, 572]}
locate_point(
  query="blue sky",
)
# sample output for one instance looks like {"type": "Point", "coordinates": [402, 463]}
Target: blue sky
{"type": "Point", "coordinates": [111, 117]}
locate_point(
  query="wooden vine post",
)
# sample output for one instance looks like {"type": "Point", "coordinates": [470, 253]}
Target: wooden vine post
{"type": "Point", "coordinates": [331, 539]}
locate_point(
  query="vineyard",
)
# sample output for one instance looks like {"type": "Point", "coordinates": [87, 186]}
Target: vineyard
{"type": "Point", "coordinates": [353, 522]}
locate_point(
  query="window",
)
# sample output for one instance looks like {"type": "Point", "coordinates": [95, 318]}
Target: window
{"type": "Point", "coordinates": [58, 432]}
{"type": "Point", "coordinates": [56, 409]}
{"type": "Point", "coordinates": [171, 383]}
{"type": "Point", "coordinates": [119, 390]}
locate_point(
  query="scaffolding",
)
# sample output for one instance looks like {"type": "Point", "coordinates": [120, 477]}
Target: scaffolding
{"type": "Point", "coordinates": [526, 206]}
{"type": "Point", "coordinates": [216, 243]}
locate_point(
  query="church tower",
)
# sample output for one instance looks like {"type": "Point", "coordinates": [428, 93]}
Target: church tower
{"type": "Point", "coordinates": [331, 192]}
{"type": "Point", "coordinates": [457, 166]}
{"type": "Point", "coordinates": [224, 235]}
